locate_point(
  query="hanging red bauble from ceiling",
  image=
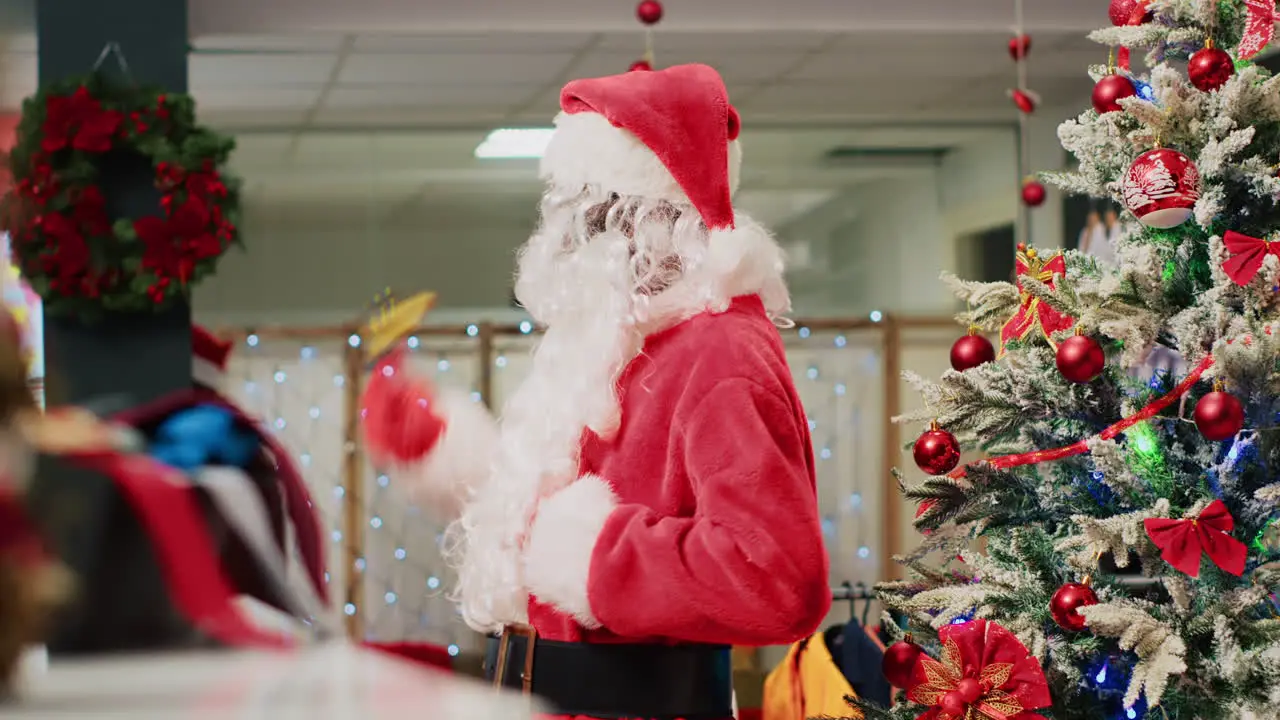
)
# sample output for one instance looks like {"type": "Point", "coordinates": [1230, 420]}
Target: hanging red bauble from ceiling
{"type": "Point", "coordinates": [1033, 193]}
{"type": "Point", "coordinates": [640, 65]}
{"type": "Point", "coordinates": [1210, 68]}
{"type": "Point", "coordinates": [1024, 100]}
{"type": "Point", "coordinates": [1109, 91]}
{"type": "Point", "coordinates": [1066, 603]}
{"type": "Point", "coordinates": [649, 12]}
{"type": "Point", "coordinates": [1219, 416]}
{"type": "Point", "coordinates": [1019, 46]}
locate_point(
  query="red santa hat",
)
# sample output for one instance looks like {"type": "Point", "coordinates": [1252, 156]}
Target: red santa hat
{"type": "Point", "coordinates": [208, 357]}
{"type": "Point", "coordinates": [668, 134]}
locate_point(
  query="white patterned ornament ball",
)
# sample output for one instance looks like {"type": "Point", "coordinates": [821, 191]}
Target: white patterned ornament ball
{"type": "Point", "coordinates": [1161, 188]}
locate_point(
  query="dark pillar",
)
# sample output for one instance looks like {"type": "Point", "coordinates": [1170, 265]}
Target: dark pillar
{"type": "Point", "coordinates": [121, 602]}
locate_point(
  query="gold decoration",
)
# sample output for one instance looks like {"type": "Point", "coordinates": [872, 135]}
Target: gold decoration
{"type": "Point", "coordinates": [392, 320]}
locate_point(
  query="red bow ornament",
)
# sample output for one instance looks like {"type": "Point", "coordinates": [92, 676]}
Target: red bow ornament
{"type": "Point", "coordinates": [985, 673]}
{"type": "Point", "coordinates": [1034, 314]}
{"type": "Point", "coordinates": [1247, 254]}
{"type": "Point", "coordinates": [1181, 542]}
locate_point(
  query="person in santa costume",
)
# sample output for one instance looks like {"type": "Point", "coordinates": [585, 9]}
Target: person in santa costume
{"type": "Point", "coordinates": [648, 498]}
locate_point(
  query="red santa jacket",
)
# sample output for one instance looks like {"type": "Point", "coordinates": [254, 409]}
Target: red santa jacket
{"type": "Point", "coordinates": [698, 520]}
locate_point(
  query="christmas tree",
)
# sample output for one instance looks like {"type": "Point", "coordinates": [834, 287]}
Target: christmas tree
{"type": "Point", "coordinates": [1117, 551]}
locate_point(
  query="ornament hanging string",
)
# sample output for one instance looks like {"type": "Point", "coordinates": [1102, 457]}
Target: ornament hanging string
{"type": "Point", "coordinates": [1082, 447]}
{"type": "Point", "coordinates": [113, 49]}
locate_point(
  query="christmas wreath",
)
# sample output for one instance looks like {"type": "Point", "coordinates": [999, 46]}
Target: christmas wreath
{"type": "Point", "coordinates": [68, 215]}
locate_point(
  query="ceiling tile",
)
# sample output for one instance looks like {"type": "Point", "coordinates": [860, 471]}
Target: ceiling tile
{"type": "Point", "coordinates": [734, 66]}
{"type": "Point", "coordinates": [232, 120]}
{"type": "Point", "coordinates": [356, 117]}
{"type": "Point", "coordinates": [857, 96]}
{"type": "Point", "coordinates": [211, 71]}
{"type": "Point", "coordinates": [498, 97]}
{"type": "Point", "coordinates": [443, 69]}
{"type": "Point", "coordinates": [699, 42]}
{"type": "Point", "coordinates": [836, 64]}
{"type": "Point", "coordinates": [530, 42]}
{"type": "Point", "coordinates": [242, 98]}
{"type": "Point", "coordinates": [300, 43]}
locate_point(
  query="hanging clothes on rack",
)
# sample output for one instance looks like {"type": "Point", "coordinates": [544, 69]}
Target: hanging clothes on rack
{"type": "Point", "coordinates": [808, 683]}
{"type": "Point", "coordinates": [860, 658]}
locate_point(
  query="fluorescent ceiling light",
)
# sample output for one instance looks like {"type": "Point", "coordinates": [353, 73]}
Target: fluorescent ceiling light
{"type": "Point", "coordinates": [508, 143]}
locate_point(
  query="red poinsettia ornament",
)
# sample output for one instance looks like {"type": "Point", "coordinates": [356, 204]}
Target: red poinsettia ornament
{"type": "Point", "coordinates": [985, 672]}
{"type": "Point", "coordinates": [78, 121]}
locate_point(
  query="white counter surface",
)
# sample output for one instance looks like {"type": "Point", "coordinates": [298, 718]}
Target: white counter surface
{"type": "Point", "coordinates": [327, 682]}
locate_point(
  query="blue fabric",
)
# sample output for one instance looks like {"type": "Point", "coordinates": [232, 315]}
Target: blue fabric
{"type": "Point", "coordinates": [203, 435]}
{"type": "Point", "coordinates": [860, 660]}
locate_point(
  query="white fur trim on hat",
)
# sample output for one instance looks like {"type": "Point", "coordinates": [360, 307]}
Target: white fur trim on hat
{"type": "Point", "coordinates": [207, 374]}
{"type": "Point", "coordinates": [586, 149]}
{"type": "Point", "coordinates": [557, 558]}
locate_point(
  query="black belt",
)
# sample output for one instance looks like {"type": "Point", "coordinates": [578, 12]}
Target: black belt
{"type": "Point", "coordinates": [598, 680]}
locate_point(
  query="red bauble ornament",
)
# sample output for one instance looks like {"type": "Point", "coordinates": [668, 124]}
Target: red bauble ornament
{"type": "Point", "coordinates": [937, 451]}
{"type": "Point", "coordinates": [1080, 359]}
{"type": "Point", "coordinates": [1161, 188]}
{"type": "Point", "coordinates": [640, 66]}
{"type": "Point", "coordinates": [1109, 91]}
{"type": "Point", "coordinates": [1067, 601]}
{"type": "Point", "coordinates": [1024, 100]}
{"type": "Point", "coordinates": [899, 662]}
{"type": "Point", "coordinates": [1019, 46]}
{"type": "Point", "coordinates": [1033, 193]}
{"type": "Point", "coordinates": [953, 705]}
{"type": "Point", "coordinates": [1210, 68]}
{"type": "Point", "coordinates": [970, 690]}
{"type": "Point", "coordinates": [1123, 12]}
{"type": "Point", "coordinates": [971, 351]}
{"type": "Point", "coordinates": [649, 12]}
{"type": "Point", "coordinates": [1219, 416]}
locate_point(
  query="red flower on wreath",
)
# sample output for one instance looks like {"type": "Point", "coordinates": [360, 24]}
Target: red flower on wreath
{"type": "Point", "coordinates": [985, 673]}
{"type": "Point", "coordinates": [70, 257]}
{"type": "Point", "coordinates": [78, 121]}
{"type": "Point", "coordinates": [175, 244]}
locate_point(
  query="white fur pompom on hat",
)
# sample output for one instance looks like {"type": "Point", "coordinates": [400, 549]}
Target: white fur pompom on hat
{"type": "Point", "coordinates": [667, 134]}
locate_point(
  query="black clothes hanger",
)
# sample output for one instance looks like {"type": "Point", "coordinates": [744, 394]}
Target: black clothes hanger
{"type": "Point", "coordinates": [867, 596]}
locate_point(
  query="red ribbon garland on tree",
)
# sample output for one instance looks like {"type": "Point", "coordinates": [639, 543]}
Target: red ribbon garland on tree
{"type": "Point", "coordinates": [1247, 254]}
{"type": "Point", "coordinates": [1082, 447]}
{"type": "Point", "coordinates": [1181, 542]}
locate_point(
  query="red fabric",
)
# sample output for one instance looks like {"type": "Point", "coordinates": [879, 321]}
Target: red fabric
{"type": "Point", "coordinates": [301, 509]}
{"type": "Point", "coordinates": [431, 655]}
{"type": "Point", "coordinates": [167, 508]}
{"type": "Point", "coordinates": [1011, 682]}
{"type": "Point", "coordinates": [683, 115]}
{"type": "Point", "coordinates": [717, 537]}
{"type": "Point", "coordinates": [750, 714]}
{"type": "Point", "coordinates": [1182, 541]}
{"type": "Point", "coordinates": [397, 413]}
{"type": "Point", "coordinates": [206, 346]}
{"type": "Point", "coordinates": [1247, 254]}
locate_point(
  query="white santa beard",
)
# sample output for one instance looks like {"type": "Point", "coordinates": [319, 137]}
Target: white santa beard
{"type": "Point", "coordinates": [571, 387]}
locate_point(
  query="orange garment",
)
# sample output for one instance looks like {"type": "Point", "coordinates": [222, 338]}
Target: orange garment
{"type": "Point", "coordinates": [808, 684]}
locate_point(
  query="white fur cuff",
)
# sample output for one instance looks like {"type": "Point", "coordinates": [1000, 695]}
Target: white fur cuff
{"type": "Point", "coordinates": [557, 559]}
